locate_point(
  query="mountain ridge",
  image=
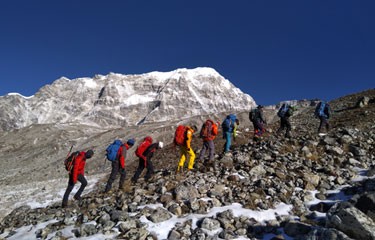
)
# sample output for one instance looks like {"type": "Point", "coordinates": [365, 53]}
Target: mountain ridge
{"type": "Point", "coordinates": [125, 100]}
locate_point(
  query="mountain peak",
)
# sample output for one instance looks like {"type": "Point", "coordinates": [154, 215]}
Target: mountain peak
{"type": "Point", "coordinates": [116, 100]}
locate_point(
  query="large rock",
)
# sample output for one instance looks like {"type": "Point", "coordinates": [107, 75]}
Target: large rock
{"type": "Point", "coordinates": [182, 192]}
{"type": "Point", "coordinates": [324, 233]}
{"type": "Point", "coordinates": [351, 221]}
{"type": "Point", "coordinates": [366, 203]}
{"type": "Point", "coordinates": [159, 215]}
{"type": "Point", "coordinates": [210, 224]}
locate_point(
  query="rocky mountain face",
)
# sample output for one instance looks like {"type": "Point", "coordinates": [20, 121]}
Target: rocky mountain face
{"type": "Point", "coordinates": [117, 100]}
{"type": "Point", "coordinates": [327, 180]}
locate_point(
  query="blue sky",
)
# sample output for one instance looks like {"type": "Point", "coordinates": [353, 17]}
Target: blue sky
{"type": "Point", "coordinates": [273, 50]}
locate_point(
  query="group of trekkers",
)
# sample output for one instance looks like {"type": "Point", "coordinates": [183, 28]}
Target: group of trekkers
{"type": "Point", "coordinates": [117, 151]}
{"type": "Point", "coordinates": [256, 116]}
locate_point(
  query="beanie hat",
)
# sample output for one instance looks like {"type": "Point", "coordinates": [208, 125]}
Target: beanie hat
{"type": "Point", "coordinates": [131, 141]}
{"type": "Point", "coordinates": [194, 127]}
{"type": "Point", "coordinates": [161, 144]}
{"type": "Point", "coordinates": [89, 153]}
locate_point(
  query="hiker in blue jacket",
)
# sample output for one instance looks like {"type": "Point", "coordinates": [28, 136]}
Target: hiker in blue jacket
{"type": "Point", "coordinates": [228, 128]}
{"type": "Point", "coordinates": [323, 112]}
{"type": "Point", "coordinates": [118, 166]}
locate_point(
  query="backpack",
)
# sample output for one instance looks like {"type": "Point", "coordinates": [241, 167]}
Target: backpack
{"type": "Point", "coordinates": [69, 161]}
{"type": "Point", "coordinates": [142, 148]}
{"type": "Point", "coordinates": [252, 114]}
{"type": "Point", "coordinates": [112, 150]}
{"type": "Point", "coordinates": [322, 110]}
{"type": "Point", "coordinates": [228, 123]}
{"type": "Point", "coordinates": [180, 135]}
{"type": "Point", "coordinates": [207, 129]}
{"type": "Point", "coordinates": [283, 110]}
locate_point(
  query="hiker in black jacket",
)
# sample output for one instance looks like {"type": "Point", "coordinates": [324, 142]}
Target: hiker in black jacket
{"type": "Point", "coordinates": [145, 162]}
{"type": "Point", "coordinates": [258, 120]}
{"type": "Point", "coordinates": [285, 112]}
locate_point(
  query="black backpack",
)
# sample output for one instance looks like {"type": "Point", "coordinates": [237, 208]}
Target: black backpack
{"type": "Point", "coordinates": [253, 114]}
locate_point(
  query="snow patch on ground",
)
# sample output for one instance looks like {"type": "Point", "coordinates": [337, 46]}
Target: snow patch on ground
{"type": "Point", "coordinates": [39, 194]}
{"type": "Point", "coordinates": [162, 229]}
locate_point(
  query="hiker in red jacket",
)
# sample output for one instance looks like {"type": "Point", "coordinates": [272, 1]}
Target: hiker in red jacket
{"type": "Point", "coordinates": [145, 162]}
{"type": "Point", "coordinates": [77, 174]}
{"type": "Point", "coordinates": [118, 166]}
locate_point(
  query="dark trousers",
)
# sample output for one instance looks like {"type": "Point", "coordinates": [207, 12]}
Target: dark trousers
{"type": "Point", "coordinates": [284, 124]}
{"type": "Point", "coordinates": [70, 187]}
{"type": "Point", "coordinates": [323, 123]}
{"type": "Point", "coordinates": [141, 166]}
{"type": "Point", "coordinates": [258, 128]}
{"type": "Point", "coordinates": [210, 146]}
{"type": "Point", "coordinates": [116, 168]}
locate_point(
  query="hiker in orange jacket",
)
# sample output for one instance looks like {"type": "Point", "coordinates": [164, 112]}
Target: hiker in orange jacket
{"type": "Point", "coordinates": [118, 166]}
{"type": "Point", "coordinates": [186, 150]}
{"type": "Point", "coordinates": [208, 133]}
{"type": "Point", "coordinates": [77, 174]}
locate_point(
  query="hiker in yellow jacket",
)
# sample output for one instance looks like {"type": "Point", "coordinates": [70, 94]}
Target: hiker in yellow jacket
{"type": "Point", "coordinates": [186, 150]}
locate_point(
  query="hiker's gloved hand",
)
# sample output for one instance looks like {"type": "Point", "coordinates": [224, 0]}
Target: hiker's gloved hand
{"type": "Point", "coordinates": [188, 149]}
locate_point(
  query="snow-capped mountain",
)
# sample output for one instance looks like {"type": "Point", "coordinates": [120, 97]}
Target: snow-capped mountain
{"type": "Point", "coordinates": [125, 100]}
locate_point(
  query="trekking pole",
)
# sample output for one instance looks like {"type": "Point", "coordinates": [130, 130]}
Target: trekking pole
{"type": "Point", "coordinates": [105, 161]}
{"type": "Point", "coordinates": [69, 151]}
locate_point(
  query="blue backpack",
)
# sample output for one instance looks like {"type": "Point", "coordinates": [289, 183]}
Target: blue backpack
{"type": "Point", "coordinates": [283, 110]}
{"type": "Point", "coordinates": [320, 110]}
{"type": "Point", "coordinates": [112, 150]}
{"type": "Point", "coordinates": [228, 123]}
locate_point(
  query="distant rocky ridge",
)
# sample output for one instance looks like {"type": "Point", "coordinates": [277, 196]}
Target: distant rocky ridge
{"type": "Point", "coordinates": [117, 100]}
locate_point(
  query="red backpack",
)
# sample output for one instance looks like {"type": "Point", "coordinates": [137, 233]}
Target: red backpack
{"type": "Point", "coordinates": [206, 130]}
{"type": "Point", "coordinates": [143, 146]}
{"type": "Point", "coordinates": [180, 135]}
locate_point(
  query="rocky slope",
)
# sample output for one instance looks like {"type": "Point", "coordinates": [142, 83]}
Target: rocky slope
{"type": "Point", "coordinates": [311, 173]}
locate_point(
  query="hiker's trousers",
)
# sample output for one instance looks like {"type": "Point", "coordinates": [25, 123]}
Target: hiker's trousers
{"type": "Point", "coordinates": [116, 168]}
{"type": "Point", "coordinates": [141, 166]}
{"type": "Point", "coordinates": [184, 154]}
{"type": "Point", "coordinates": [228, 136]}
{"type": "Point", "coordinates": [210, 146]}
{"type": "Point", "coordinates": [70, 187]}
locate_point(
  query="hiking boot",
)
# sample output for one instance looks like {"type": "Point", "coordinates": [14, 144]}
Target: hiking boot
{"type": "Point", "coordinates": [107, 191]}
{"type": "Point", "coordinates": [179, 170]}
{"type": "Point", "coordinates": [148, 179]}
{"type": "Point", "coordinates": [133, 181]}
{"type": "Point", "coordinates": [77, 198]}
